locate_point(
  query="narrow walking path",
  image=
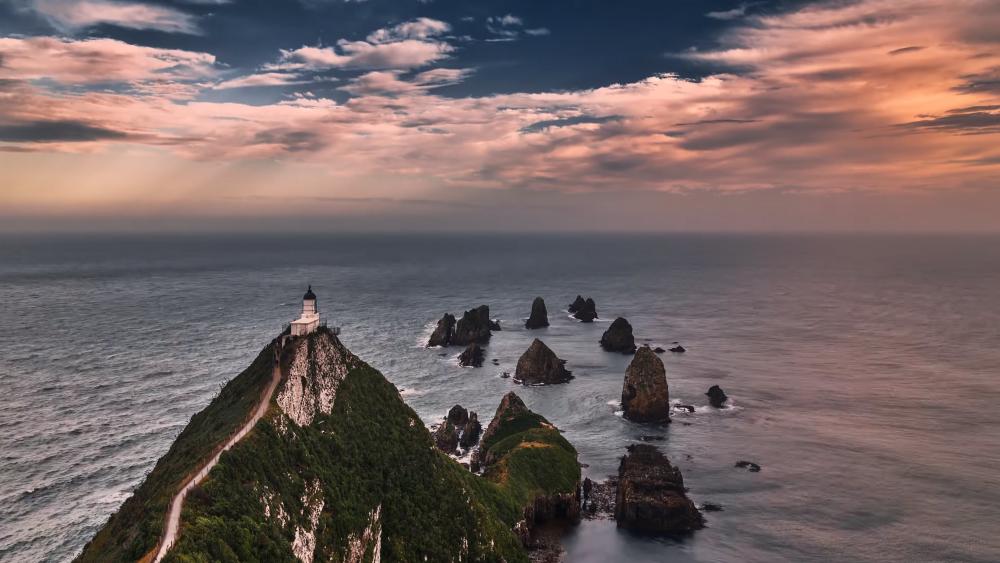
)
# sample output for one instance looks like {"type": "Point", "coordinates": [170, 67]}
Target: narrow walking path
{"type": "Point", "coordinates": [173, 521]}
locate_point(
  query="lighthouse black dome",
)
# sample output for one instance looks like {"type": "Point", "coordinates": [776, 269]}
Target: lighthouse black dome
{"type": "Point", "coordinates": [309, 294]}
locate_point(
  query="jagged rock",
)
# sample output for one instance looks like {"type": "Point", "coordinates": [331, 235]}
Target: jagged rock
{"type": "Point", "coordinates": [659, 350]}
{"type": "Point", "coordinates": [678, 349]}
{"type": "Point", "coordinates": [748, 465]}
{"type": "Point", "coordinates": [651, 496]}
{"type": "Point", "coordinates": [685, 408]}
{"type": "Point", "coordinates": [446, 437]}
{"type": "Point", "coordinates": [472, 356]}
{"type": "Point", "coordinates": [598, 500]}
{"type": "Point", "coordinates": [645, 396]}
{"type": "Point", "coordinates": [471, 431]}
{"type": "Point", "coordinates": [511, 407]}
{"type": "Point", "coordinates": [539, 316]}
{"type": "Point", "coordinates": [577, 304]}
{"type": "Point", "coordinates": [716, 396]}
{"type": "Point", "coordinates": [474, 327]}
{"type": "Point", "coordinates": [443, 332]}
{"type": "Point", "coordinates": [586, 312]}
{"type": "Point", "coordinates": [539, 365]}
{"type": "Point", "coordinates": [458, 416]}
{"type": "Point", "coordinates": [618, 337]}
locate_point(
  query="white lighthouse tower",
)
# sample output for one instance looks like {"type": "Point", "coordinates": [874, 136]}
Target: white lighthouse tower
{"type": "Point", "coordinates": [309, 321]}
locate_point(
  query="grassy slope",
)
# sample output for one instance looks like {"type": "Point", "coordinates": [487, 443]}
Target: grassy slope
{"type": "Point", "coordinates": [371, 450]}
{"type": "Point", "coordinates": [135, 528]}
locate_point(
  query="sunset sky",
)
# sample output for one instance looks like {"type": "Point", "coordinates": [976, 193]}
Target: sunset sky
{"type": "Point", "coordinates": [500, 115]}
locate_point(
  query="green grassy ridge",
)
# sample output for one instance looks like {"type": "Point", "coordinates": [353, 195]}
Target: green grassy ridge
{"type": "Point", "coordinates": [372, 449]}
{"type": "Point", "coordinates": [532, 459]}
{"type": "Point", "coordinates": [135, 528]}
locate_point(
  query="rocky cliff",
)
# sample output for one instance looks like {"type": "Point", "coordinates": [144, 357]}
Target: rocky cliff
{"type": "Point", "coordinates": [339, 469]}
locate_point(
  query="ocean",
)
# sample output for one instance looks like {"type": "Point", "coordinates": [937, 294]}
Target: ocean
{"type": "Point", "coordinates": [863, 371]}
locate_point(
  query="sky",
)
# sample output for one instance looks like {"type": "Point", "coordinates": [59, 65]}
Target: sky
{"type": "Point", "coordinates": [515, 115]}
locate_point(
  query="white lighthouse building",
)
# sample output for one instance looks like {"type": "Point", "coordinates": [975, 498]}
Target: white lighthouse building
{"type": "Point", "coordinates": [309, 321]}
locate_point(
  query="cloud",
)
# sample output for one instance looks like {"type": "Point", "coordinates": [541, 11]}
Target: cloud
{"type": "Point", "coordinates": [54, 131]}
{"type": "Point", "coordinates": [98, 61]}
{"type": "Point", "coordinates": [260, 80]}
{"type": "Point", "coordinates": [71, 15]}
{"type": "Point", "coordinates": [818, 104]}
{"type": "Point", "coordinates": [510, 27]}
{"type": "Point", "coordinates": [407, 45]}
{"type": "Point", "coordinates": [733, 14]}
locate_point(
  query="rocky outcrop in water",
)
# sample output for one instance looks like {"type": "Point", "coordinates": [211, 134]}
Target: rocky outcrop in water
{"type": "Point", "coordinates": [472, 356]}
{"type": "Point", "coordinates": [539, 315]}
{"type": "Point", "coordinates": [651, 497]}
{"type": "Point", "coordinates": [645, 395]}
{"type": "Point", "coordinates": [598, 498]}
{"type": "Point", "coordinates": [446, 437]}
{"type": "Point", "coordinates": [539, 365]}
{"type": "Point", "coordinates": [470, 432]}
{"type": "Point", "coordinates": [678, 349]}
{"type": "Point", "coordinates": [618, 337]}
{"type": "Point", "coordinates": [474, 327]}
{"type": "Point", "coordinates": [442, 333]}
{"type": "Point", "coordinates": [584, 310]}
{"type": "Point", "coordinates": [717, 397]}
{"type": "Point", "coordinates": [748, 465]}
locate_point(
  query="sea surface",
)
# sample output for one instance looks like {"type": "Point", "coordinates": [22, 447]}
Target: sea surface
{"type": "Point", "coordinates": [863, 371]}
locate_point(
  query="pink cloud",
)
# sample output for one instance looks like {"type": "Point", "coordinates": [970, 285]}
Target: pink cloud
{"type": "Point", "coordinates": [819, 104]}
{"type": "Point", "coordinates": [70, 15]}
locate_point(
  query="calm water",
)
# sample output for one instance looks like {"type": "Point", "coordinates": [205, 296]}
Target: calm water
{"type": "Point", "coordinates": [865, 372]}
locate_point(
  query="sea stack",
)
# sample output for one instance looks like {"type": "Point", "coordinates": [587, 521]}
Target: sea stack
{"type": "Point", "coordinates": [539, 365]}
{"type": "Point", "coordinates": [645, 395]}
{"type": "Point", "coordinates": [474, 326]}
{"type": "Point", "coordinates": [472, 356]}
{"type": "Point", "coordinates": [442, 333]}
{"type": "Point", "coordinates": [584, 310]}
{"type": "Point", "coordinates": [618, 337]}
{"type": "Point", "coordinates": [651, 498]}
{"type": "Point", "coordinates": [716, 396]}
{"type": "Point", "coordinates": [539, 316]}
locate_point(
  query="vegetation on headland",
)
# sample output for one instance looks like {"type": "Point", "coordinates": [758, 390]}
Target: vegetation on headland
{"type": "Point", "coordinates": [135, 528]}
{"type": "Point", "coordinates": [367, 470]}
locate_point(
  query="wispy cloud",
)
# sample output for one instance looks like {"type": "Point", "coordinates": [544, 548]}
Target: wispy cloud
{"type": "Point", "coordinates": [71, 15]}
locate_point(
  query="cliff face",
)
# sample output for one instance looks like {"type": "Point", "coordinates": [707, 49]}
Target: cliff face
{"type": "Point", "coordinates": [339, 469]}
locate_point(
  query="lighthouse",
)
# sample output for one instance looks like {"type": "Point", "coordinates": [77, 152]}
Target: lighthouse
{"type": "Point", "coordinates": [309, 321]}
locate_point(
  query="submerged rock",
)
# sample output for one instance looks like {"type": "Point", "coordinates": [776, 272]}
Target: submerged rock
{"type": "Point", "coordinates": [711, 507]}
{"type": "Point", "coordinates": [442, 333]}
{"type": "Point", "coordinates": [618, 337]}
{"type": "Point", "coordinates": [651, 497]}
{"type": "Point", "coordinates": [474, 327]}
{"type": "Point", "coordinates": [645, 396]}
{"type": "Point", "coordinates": [659, 350]}
{"type": "Point", "coordinates": [539, 365]}
{"type": "Point", "coordinates": [678, 349]}
{"type": "Point", "coordinates": [748, 465]}
{"type": "Point", "coordinates": [685, 408]}
{"type": "Point", "coordinates": [716, 396]}
{"type": "Point", "coordinates": [472, 356]}
{"type": "Point", "coordinates": [587, 311]}
{"type": "Point", "coordinates": [539, 315]}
